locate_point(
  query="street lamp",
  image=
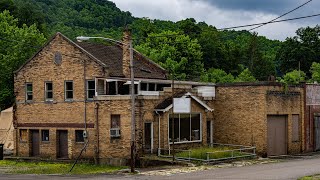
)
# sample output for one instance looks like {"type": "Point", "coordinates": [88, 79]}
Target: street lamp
{"type": "Point", "coordinates": [84, 38]}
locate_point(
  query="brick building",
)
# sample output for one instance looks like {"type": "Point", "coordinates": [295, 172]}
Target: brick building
{"type": "Point", "coordinates": [262, 114]}
{"type": "Point", "coordinates": [76, 95]}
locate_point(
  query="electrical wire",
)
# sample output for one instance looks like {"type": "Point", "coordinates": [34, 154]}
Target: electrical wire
{"type": "Point", "coordinates": [281, 15]}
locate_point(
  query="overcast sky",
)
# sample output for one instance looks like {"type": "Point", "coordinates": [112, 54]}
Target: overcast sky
{"type": "Point", "coordinates": [227, 13]}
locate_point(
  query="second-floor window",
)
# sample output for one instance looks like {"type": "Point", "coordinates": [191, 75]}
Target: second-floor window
{"type": "Point", "coordinates": [48, 91]}
{"type": "Point", "coordinates": [29, 92]}
{"type": "Point", "coordinates": [68, 90]}
{"type": "Point", "coordinates": [90, 89]}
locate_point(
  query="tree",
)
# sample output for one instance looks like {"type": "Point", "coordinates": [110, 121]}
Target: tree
{"type": "Point", "coordinates": [175, 52]}
{"type": "Point", "coordinates": [217, 76]}
{"type": "Point", "coordinates": [294, 77]}
{"type": "Point", "coordinates": [17, 44]}
{"type": "Point", "coordinates": [315, 72]}
{"type": "Point", "coordinates": [245, 76]}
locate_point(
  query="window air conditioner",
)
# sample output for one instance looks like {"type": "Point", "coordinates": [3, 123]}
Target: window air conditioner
{"type": "Point", "coordinates": [114, 132]}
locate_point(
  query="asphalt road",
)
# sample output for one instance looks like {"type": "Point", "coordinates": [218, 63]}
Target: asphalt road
{"type": "Point", "coordinates": [291, 169]}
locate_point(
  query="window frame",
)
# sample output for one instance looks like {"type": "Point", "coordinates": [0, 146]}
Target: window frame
{"type": "Point", "coordinates": [66, 91]}
{"type": "Point", "coordinates": [76, 137]}
{"type": "Point", "coordinates": [87, 88]}
{"type": "Point", "coordinates": [191, 141]}
{"type": "Point", "coordinates": [46, 91]}
{"type": "Point", "coordinates": [43, 139]}
{"type": "Point", "coordinates": [21, 137]}
{"type": "Point", "coordinates": [118, 125]}
{"type": "Point", "coordinates": [27, 92]}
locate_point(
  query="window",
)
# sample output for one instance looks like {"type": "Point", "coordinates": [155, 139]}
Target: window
{"type": "Point", "coordinates": [48, 91]}
{"type": "Point", "coordinates": [68, 90]}
{"type": "Point", "coordinates": [91, 90]}
{"type": "Point", "coordinates": [29, 90]}
{"type": "Point", "coordinates": [187, 127]}
{"type": "Point", "coordinates": [295, 128]}
{"type": "Point", "coordinates": [115, 125]}
{"type": "Point", "coordinates": [79, 136]}
{"type": "Point", "coordinates": [23, 135]}
{"type": "Point", "coordinates": [45, 135]}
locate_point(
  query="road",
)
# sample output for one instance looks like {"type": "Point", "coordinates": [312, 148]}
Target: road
{"type": "Point", "coordinates": [291, 169]}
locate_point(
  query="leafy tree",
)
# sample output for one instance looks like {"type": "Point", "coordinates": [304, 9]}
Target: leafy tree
{"type": "Point", "coordinates": [175, 52]}
{"type": "Point", "coordinates": [217, 76]}
{"type": "Point", "coordinates": [17, 44]}
{"type": "Point", "coordinates": [315, 72]}
{"type": "Point", "coordinates": [294, 77]}
{"type": "Point", "coordinates": [245, 76]}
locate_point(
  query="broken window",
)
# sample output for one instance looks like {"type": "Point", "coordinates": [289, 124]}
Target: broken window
{"type": "Point", "coordinates": [29, 92]}
{"type": "Point", "coordinates": [48, 91]}
{"type": "Point", "coordinates": [186, 127]}
{"type": "Point", "coordinates": [45, 135]}
{"type": "Point", "coordinates": [68, 90]}
{"type": "Point", "coordinates": [112, 88]}
{"type": "Point", "coordinates": [90, 89]}
{"type": "Point", "coordinates": [79, 136]}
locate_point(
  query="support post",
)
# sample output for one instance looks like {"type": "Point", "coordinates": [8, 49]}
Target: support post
{"type": "Point", "coordinates": [132, 109]}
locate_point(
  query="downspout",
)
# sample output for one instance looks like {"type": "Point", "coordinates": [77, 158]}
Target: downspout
{"type": "Point", "coordinates": [85, 95]}
{"type": "Point", "coordinates": [159, 150]}
{"type": "Point", "coordinates": [96, 111]}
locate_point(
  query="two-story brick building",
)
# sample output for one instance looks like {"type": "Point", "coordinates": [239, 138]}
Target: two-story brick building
{"type": "Point", "coordinates": [76, 95]}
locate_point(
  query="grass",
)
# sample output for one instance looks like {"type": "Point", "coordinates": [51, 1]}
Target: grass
{"type": "Point", "coordinates": [313, 177]}
{"type": "Point", "coordinates": [23, 167]}
{"type": "Point", "coordinates": [201, 153]}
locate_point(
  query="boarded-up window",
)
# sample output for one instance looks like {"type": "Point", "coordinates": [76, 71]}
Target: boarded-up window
{"type": "Point", "coordinates": [23, 135]}
{"type": "Point", "coordinates": [295, 128]}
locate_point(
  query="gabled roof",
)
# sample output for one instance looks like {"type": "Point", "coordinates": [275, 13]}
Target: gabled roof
{"type": "Point", "coordinates": [68, 40]}
{"type": "Point", "coordinates": [111, 58]}
{"type": "Point", "coordinates": [111, 55]}
{"type": "Point", "coordinates": [166, 105]}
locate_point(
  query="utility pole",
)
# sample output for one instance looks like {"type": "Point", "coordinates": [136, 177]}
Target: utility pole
{"type": "Point", "coordinates": [133, 123]}
{"type": "Point", "coordinates": [173, 153]}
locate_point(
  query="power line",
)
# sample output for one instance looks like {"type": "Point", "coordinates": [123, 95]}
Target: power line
{"type": "Point", "coordinates": [281, 15]}
{"type": "Point", "coordinates": [290, 19]}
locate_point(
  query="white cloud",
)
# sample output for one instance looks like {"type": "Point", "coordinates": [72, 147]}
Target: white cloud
{"type": "Point", "coordinates": [176, 10]}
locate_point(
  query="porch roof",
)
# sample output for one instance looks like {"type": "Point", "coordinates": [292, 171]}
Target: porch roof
{"type": "Point", "coordinates": [166, 105]}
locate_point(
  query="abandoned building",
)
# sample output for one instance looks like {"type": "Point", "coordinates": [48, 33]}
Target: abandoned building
{"type": "Point", "coordinates": [267, 115]}
{"type": "Point", "coordinates": [70, 93]}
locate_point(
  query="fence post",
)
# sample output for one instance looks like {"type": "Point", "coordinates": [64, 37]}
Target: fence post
{"type": "Point", "coordinates": [232, 152]}
{"type": "Point", "coordinates": [189, 155]}
{"type": "Point", "coordinates": [208, 157]}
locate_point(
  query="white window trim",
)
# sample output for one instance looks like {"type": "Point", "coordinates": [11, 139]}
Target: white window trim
{"type": "Point", "coordinates": [46, 91]}
{"type": "Point", "coordinates": [65, 90]}
{"type": "Point", "coordinates": [185, 142]}
{"type": "Point", "coordinates": [26, 91]}
{"type": "Point", "coordinates": [87, 88]}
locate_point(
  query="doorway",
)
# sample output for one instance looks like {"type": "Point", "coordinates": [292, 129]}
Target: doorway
{"type": "Point", "coordinates": [277, 135]}
{"type": "Point", "coordinates": [148, 137]}
{"type": "Point", "coordinates": [62, 144]}
{"type": "Point", "coordinates": [35, 144]}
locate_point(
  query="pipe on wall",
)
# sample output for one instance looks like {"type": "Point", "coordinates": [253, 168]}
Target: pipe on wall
{"type": "Point", "coordinates": [96, 113]}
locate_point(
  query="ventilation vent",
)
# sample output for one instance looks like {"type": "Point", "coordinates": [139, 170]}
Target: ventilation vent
{"type": "Point", "coordinates": [57, 58]}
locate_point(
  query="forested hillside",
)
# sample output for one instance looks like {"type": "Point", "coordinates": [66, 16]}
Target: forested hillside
{"type": "Point", "coordinates": [189, 50]}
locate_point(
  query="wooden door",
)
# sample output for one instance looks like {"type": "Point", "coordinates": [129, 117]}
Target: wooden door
{"type": "Point", "coordinates": [35, 144]}
{"type": "Point", "coordinates": [277, 135]}
{"type": "Point", "coordinates": [63, 144]}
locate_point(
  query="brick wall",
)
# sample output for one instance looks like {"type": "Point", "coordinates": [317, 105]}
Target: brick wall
{"type": "Point", "coordinates": [58, 114]}
{"type": "Point", "coordinates": [241, 111]}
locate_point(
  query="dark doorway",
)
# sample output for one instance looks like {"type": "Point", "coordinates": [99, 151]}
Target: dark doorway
{"type": "Point", "coordinates": [62, 144]}
{"type": "Point", "coordinates": [35, 145]}
{"type": "Point", "coordinates": [317, 132]}
{"type": "Point", "coordinates": [148, 137]}
{"type": "Point", "coordinates": [277, 135]}
{"type": "Point", "coordinates": [209, 133]}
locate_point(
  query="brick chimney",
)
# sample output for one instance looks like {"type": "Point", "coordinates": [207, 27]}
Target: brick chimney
{"type": "Point", "coordinates": [126, 52]}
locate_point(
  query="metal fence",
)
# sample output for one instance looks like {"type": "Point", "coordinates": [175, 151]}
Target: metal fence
{"type": "Point", "coordinates": [210, 154]}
